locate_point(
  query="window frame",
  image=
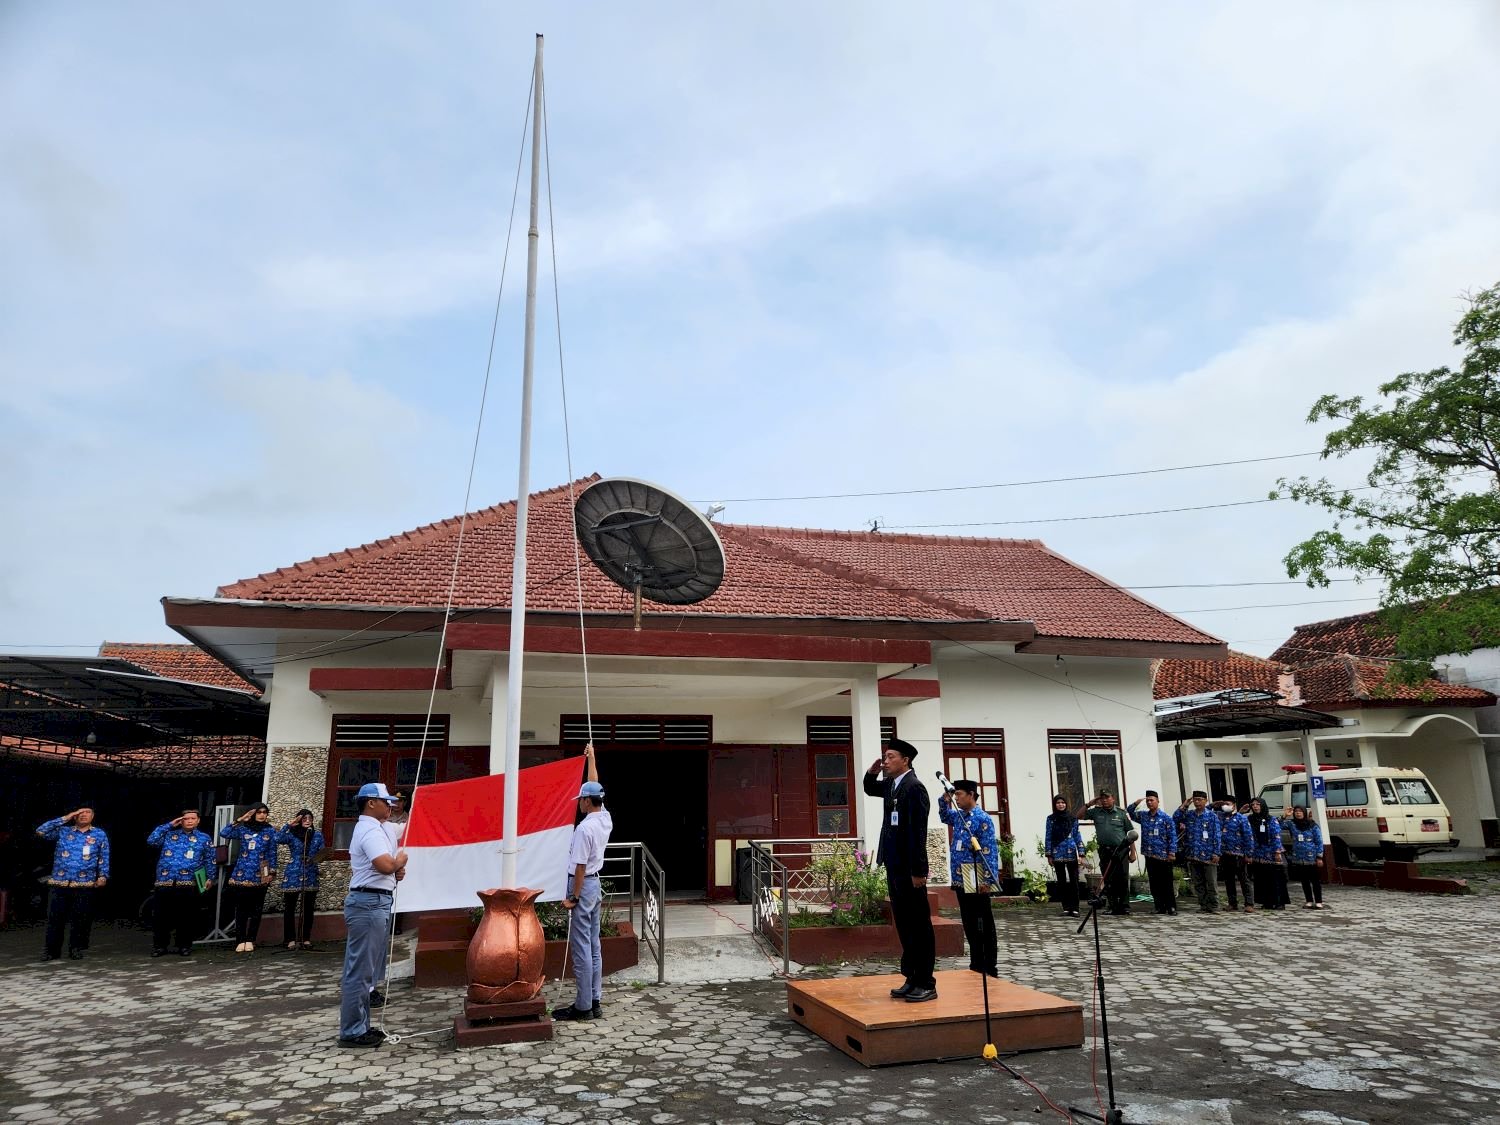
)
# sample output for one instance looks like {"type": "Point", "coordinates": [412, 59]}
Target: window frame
{"type": "Point", "coordinates": [1090, 743]}
{"type": "Point", "coordinates": [982, 744]}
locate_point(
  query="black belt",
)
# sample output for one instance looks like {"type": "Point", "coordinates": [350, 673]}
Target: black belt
{"type": "Point", "coordinates": [372, 891]}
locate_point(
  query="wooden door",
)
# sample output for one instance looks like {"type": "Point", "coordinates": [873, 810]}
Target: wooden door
{"type": "Point", "coordinates": [741, 807]}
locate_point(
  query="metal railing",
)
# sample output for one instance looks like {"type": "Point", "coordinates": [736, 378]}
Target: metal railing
{"type": "Point", "coordinates": [780, 878]}
{"type": "Point", "coordinates": [636, 879]}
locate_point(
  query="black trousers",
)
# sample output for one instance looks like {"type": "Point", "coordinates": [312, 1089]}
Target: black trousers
{"type": "Point", "coordinates": [176, 914]}
{"type": "Point", "coordinates": [249, 905]}
{"type": "Point", "coordinates": [1117, 885]}
{"type": "Point", "coordinates": [1163, 876]}
{"type": "Point", "coordinates": [1270, 884]}
{"type": "Point", "coordinates": [914, 927]}
{"type": "Point", "coordinates": [1312, 882]}
{"type": "Point", "coordinates": [290, 929]}
{"type": "Point", "coordinates": [1067, 884]}
{"type": "Point", "coordinates": [979, 928]}
{"type": "Point", "coordinates": [1236, 878]}
{"type": "Point", "coordinates": [69, 907]}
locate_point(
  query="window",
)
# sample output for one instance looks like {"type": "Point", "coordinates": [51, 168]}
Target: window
{"type": "Point", "coordinates": [388, 748]}
{"type": "Point", "coordinates": [1414, 791]}
{"type": "Point", "coordinates": [831, 789]}
{"type": "Point", "coordinates": [1341, 794]}
{"type": "Point", "coordinates": [1299, 795]}
{"type": "Point", "coordinates": [1085, 761]}
{"type": "Point", "coordinates": [833, 730]}
{"type": "Point", "coordinates": [1387, 790]}
{"type": "Point", "coordinates": [978, 754]}
{"type": "Point", "coordinates": [1273, 798]}
{"type": "Point", "coordinates": [638, 730]}
{"type": "Point", "coordinates": [1230, 783]}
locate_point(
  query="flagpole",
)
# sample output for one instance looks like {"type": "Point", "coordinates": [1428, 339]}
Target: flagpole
{"type": "Point", "coordinates": [509, 819]}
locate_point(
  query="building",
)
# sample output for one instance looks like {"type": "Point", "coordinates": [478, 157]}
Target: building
{"type": "Point", "coordinates": [1432, 726]}
{"type": "Point", "coordinates": [751, 714]}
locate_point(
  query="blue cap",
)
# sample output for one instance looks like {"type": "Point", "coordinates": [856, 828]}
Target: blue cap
{"type": "Point", "coordinates": [375, 789]}
{"type": "Point", "coordinates": [591, 789]}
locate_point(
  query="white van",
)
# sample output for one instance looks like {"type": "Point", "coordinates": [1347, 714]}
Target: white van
{"type": "Point", "coordinates": [1374, 812]}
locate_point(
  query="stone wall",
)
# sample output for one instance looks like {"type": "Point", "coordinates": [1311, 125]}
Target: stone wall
{"type": "Point", "coordinates": [938, 874]}
{"type": "Point", "coordinates": [298, 779]}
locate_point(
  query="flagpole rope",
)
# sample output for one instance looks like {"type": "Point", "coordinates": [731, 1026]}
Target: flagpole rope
{"type": "Point", "coordinates": [463, 523]}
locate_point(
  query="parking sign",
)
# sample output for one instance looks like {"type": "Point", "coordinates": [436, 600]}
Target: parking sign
{"type": "Point", "coordinates": [1319, 788]}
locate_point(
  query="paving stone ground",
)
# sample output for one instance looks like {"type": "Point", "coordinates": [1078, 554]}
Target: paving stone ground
{"type": "Point", "coordinates": [1381, 1009]}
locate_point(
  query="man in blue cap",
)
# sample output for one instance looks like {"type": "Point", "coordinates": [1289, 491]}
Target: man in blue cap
{"type": "Point", "coordinates": [585, 898]}
{"type": "Point", "coordinates": [374, 869]}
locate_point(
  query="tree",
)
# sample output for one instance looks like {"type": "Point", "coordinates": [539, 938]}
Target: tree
{"type": "Point", "coordinates": [1427, 525]}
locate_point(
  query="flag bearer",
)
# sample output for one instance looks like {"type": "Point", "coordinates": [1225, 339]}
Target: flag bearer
{"type": "Point", "coordinates": [585, 898]}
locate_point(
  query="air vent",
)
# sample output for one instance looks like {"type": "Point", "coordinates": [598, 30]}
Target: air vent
{"type": "Point", "coordinates": [834, 730]}
{"type": "Point", "coordinates": [638, 730]}
{"type": "Point", "coordinates": [1083, 739]}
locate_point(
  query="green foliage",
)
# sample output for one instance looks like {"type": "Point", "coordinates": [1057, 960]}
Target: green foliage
{"type": "Point", "coordinates": [1428, 524]}
{"type": "Point", "coordinates": [1034, 885]}
{"type": "Point", "coordinates": [855, 886]}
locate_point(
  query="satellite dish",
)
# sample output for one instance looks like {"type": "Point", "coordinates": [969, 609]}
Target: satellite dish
{"type": "Point", "coordinates": [649, 541]}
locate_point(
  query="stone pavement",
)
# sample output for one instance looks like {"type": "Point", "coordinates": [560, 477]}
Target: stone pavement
{"type": "Point", "coordinates": [1382, 1009]}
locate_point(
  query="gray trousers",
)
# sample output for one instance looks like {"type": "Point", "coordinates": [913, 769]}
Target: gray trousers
{"type": "Point", "coordinates": [368, 918]}
{"type": "Point", "coordinates": [583, 944]}
{"type": "Point", "coordinates": [1205, 884]}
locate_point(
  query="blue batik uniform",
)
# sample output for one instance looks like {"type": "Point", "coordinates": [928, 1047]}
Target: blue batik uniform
{"type": "Point", "coordinates": [80, 857]}
{"type": "Point", "coordinates": [1067, 850]}
{"type": "Point", "coordinates": [1158, 833]}
{"type": "Point", "coordinates": [183, 852]}
{"type": "Point", "coordinates": [1265, 847]}
{"type": "Point", "coordinates": [1307, 843]}
{"type": "Point", "coordinates": [299, 876]}
{"type": "Point", "coordinates": [1235, 831]}
{"type": "Point", "coordinates": [257, 850]}
{"type": "Point", "coordinates": [959, 850]}
{"type": "Point", "coordinates": [1202, 836]}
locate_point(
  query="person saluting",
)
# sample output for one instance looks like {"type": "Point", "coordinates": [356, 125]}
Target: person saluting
{"type": "Point", "coordinates": [80, 865]}
{"type": "Point", "coordinates": [184, 870]}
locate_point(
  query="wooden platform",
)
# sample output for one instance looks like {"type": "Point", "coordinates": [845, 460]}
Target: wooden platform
{"type": "Point", "coordinates": [858, 1016]}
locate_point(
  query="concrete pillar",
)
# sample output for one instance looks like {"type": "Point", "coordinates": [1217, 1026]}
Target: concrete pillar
{"type": "Point", "coordinates": [497, 690]}
{"type": "Point", "coordinates": [864, 712]}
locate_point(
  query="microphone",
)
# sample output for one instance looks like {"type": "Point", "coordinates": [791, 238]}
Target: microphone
{"type": "Point", "coordinates": [947, 785]}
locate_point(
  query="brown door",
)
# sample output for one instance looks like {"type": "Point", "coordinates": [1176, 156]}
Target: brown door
{"type": "Point", "coordinates": [741, 807]}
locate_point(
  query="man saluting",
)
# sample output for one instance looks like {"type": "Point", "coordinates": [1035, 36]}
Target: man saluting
{"type": "Point", "coordinates": [903, 851]}
{"type": "Point", "coordinates": [80, 863]}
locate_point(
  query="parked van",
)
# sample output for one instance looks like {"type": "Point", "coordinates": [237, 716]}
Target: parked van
{"type": "Point", "coordinates": [1374, 812]}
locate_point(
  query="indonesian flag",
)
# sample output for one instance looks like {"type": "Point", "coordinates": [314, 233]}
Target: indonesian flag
{"type": "Point", "coordinates": [454, 835]}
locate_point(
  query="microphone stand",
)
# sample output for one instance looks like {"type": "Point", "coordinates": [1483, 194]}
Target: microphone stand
{"type": "Point", "coordinates": [1114, 1115]}
{"type": "Point", "coordinates": [990, 1051]}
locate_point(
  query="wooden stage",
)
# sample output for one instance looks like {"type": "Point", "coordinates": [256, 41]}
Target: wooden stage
{"type": "Point", "coordinates": [858, 1016]}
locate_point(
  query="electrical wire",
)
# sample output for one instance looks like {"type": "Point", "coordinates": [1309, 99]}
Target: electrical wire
{"type": "Point", "coordinates": [1011, 484]}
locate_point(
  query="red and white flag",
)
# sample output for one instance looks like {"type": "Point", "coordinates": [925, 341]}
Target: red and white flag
{"type": "Point", "coordinates": [453, 837]}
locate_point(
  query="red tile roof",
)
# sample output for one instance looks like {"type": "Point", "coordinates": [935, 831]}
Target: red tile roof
{"type": "Point", "coordinates": [1346, 681]}
{"type": "Point", "coordinates": [770, 572]}
{"type": "Point", "coordinates": [1176, 678]}
{"type": "Point", "coordinates": [1358, 635]}
{"type": "Point", "coordinates": [211, 757]}
{"type": "Point", "coordinates": [178, 662]}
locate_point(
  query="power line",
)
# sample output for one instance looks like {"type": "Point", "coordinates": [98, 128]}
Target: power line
{"type": "Point", "coordinates": [1012, 483]}
{"type": "Point", "coordinates": [1101, 516]}
{"type": "Point", "coordinates": [1272, 605]}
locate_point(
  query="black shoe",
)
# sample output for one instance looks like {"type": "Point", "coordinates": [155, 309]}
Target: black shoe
{"type": "Point", "coordinates": [377, 999]}
{"type": "Point", "coordinates": [185, 951]}
{"type": "Point", "coordinates": [569, 1012]}
{"type": "Point", "coordinates": [598, 1010]}
{"type": "Point", "coordinates": [921, 995]}
{"type": "Point", "coordinates": [48, 957]}
{"type": "Point", "coordinates": [75, 955]}
{"type": "Point", "coordinates": [902, 992]}
{"type": "Point", "coordinates": [158, 952]}
{"type": "Point", "coordinates": [371, 1038]}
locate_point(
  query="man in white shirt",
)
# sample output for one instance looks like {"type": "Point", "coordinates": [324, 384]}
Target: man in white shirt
{"type": "Point", "coordinates": [585, 898]}
{"type": "Point", "coordinates": [374, 869]}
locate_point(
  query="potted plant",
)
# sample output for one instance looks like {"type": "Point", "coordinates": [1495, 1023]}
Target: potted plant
{"type": "Point", "coordinates": [1034, 885]}
{"type": "Point", "coordinates": [1010, 882]}
{"type": "Point", "coordinates": [1089, 867]}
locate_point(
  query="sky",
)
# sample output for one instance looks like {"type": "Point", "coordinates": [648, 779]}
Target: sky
{"type": "Point", "coordinates": [251, 259]}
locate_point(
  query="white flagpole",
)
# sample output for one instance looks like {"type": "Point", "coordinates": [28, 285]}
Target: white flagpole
{"type": "Point", "coordinates": [509, 820]}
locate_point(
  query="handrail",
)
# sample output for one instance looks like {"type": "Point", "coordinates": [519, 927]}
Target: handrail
{"type": "Point", "coordinates": [646, 884]}
{"type": "Point", "coordinates": [772, 884]}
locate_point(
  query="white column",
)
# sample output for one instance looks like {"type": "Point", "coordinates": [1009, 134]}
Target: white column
{"type": "Point", "coordinates": [498, 691]}
{"type": "Point", "coordinates": [1317, 807]}
{"type": "Point", "coordinates": [864, 711]}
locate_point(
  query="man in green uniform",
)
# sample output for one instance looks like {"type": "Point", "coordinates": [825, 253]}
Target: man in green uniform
{"type": "Point", "coordinates": [1111, 825]}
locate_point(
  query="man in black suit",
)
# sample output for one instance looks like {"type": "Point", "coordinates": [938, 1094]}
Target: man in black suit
{"type": "Point", "coordinates": [903, 851]}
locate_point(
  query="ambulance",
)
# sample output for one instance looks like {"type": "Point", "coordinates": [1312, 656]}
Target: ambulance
{"type": "Point", "coordinates": [1374, 812]}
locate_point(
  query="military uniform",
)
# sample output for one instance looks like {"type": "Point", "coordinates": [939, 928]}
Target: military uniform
{"type": "Point", "coordinates": [1202, 840]}
{"type": "Point", "coordinates": [185, 853]}
{"type": "Point", "coordinates": [1110, 828]}
{"type": "Point", "coordinates": [80, 862]}
{"type": "Point", "coordinates": [1159, 846]}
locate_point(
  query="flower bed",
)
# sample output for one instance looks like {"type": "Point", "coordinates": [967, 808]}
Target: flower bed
{"type": "Point", "coordinates": [813, 943]}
